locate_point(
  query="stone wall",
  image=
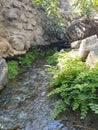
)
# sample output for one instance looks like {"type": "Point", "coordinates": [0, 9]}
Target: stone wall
{"type": "Point", "coordinates": [22, 24]}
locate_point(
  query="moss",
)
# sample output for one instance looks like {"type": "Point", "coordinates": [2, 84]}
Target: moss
{"type": "Point", "coordinates": [12, 69]}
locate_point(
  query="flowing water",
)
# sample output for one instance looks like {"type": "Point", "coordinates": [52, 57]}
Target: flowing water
{"type": "Point", "coordinates": [24, 104]}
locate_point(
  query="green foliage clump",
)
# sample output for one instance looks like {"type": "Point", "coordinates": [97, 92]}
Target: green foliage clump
{"type": "Point", "coordinates": [95, 2]}
{"type": "Point", "coordinates": [86, 6]}
{"type": "Point", "coordinates": [54, 59]}
{"type": "Point", "coordinates": [49, 53]}
{"type": "Point", "coordinates": [12, 69]}
{"type": "Point", "coordinates": [75, 85]}
{"type": "Point", "coordinates": [55, 22]}
{"type": "Point", "coordinates": [27, 59]}
{"type": "Point", "coordinates": [49, 5]}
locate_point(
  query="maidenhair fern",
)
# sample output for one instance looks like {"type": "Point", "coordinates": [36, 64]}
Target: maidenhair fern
{"type": "Point", "coordinates": [75, 85]}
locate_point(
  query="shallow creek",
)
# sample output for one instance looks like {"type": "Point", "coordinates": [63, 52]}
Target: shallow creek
{"type": "Point", "coordinates": [24, 104]}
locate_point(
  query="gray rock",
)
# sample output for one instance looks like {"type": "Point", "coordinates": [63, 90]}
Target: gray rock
{"type": "Point", "coordinates": [13, 15]}
{"type": "Point", "coordinates": [18, 43]}
{"type": "Point", "coordinates": [24, 19]}
{"type": "Point", "coordinates": [3, 73]}
{"type": "Point", "coordinates": [87, 45]}
{"type": "Point", "coordinates": [92, 59]}
{"type": "Point", "coordinates": [76, 44]}
{"type": "Point", "coordinates": [81, 29]}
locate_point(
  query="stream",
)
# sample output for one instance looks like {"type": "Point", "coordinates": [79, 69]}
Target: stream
{"type": "Point", "coordinates": [24, 104]}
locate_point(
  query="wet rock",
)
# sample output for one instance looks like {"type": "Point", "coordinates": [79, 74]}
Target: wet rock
{"type": "Point", "coordinates": [3, 73]}
{"type": "Point", "coordinates": [19, 110]}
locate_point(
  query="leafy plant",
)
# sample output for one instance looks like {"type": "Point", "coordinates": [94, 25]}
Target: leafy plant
{"type": "Point", "coordinates": [54, 59]}
{"type": "Point", "coordinates": [49, 5]}
{"type": "Point", "coordinates": [27, 59]}
{"type": "Point", "coordinates": [75, 85]}
{"type": "Point", "coordinates": [12, 69]}
{"type": "Point", "coordinates": [95, 2]}
{"type": "Point", "coordinates": [49, 53]}
{"type": "Point", "coordinates": [55, 22]}
{"type": "Point", "coordinates": [85, 6]}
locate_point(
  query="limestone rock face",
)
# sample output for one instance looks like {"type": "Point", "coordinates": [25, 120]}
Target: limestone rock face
{"type": "Point", "coordinates": [88, 45]}
{"type": "Point", "coordinates": [26, 25]}
{"type": "Point", "coordinates": [87, 50]}
{"type": "Point", "coordinates": [7, 50]}
{"type": "Point", "coordinates": [92, 59]}
{"type": "Point", "coordinates": [23, 24]}
{"type": "Point", "coordinates": [18, 43]}
{"type": "Point", "coordinates": [3, 73]}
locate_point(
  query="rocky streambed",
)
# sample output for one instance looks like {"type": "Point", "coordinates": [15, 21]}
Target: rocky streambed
{"type": "Point", "coordinates": [24, 104]}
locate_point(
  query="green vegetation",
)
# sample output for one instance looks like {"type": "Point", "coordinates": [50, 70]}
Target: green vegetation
{"type": "Point", "coordinates": [55, 22]}
{"type": "Point", "coordinates": [12, 69]}
{"type": "Point", "coordinates": [86, 6]}
{"type": "Point", "coordinates": [49, 5]}
{"type": "Point", "coordinates": [29, 57]}
{"type": "Point", "coordinates": [15, 65]}
{"type": "Point", "coordinates": [95, 2]}
{"type": "Point", "coordinates": [74, 84]}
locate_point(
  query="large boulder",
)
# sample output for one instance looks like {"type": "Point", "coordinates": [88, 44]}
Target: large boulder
{"type": "Point", "coordinates": [7, 50]}
{"type": "Point", "coordinates": [81, 29]}
{"type": "Point", "coordinates": [87, 45]}
{"type": "Point", "coordinates": [75, 44]}
{"type": "Point", "coordinates": [92, 59]}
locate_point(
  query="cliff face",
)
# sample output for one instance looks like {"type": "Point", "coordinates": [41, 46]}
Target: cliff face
{"type": "Point", "coordinates": [21, 24]}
